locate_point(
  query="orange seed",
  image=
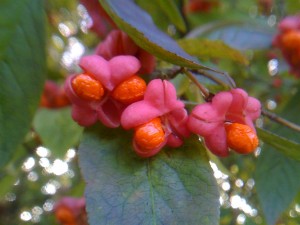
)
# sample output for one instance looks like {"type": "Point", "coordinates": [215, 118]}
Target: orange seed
{"type": "Point", "coordinates": [291, 46]}
{"type": "Point", "coordinates": [241, 138]}
{"type": "Point", "coordinates": [291, 40]}
{"type": "Point", "coordinates": [65, 216]}
{"type": "Point", "coordinates": [88, 88]}
{"type": "Point", "coordinates": [149, 135]}
{"type": "Point", "coordinates": [130, 90]}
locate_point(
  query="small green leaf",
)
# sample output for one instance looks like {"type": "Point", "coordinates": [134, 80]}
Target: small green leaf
{"type": "Point", "coordinates": [239, 35]}
{"type": "Point", "coordinates": [285, 146]}
{"type": "Point", "coordinates": [22, 69]}
{"type": "Point", "coordinates": [57, 130]}
{"type": "Point", "coordinates": [174, 187]}
{"type": "Point", "coordinates": [212, 49]}
{"type": "Point", "coordinates": [171, 10]}
{"type": "Point", "coordinates": [140, 27]}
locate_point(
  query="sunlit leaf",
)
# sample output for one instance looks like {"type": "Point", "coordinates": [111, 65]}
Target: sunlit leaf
{"type": "Point", "coordinates": [175, 187]}
{"type": "Point", "coordinates": [57, 130]}
{"type": "Point", "coordinates": [22, 69]}
{"type": "Point", "coordinates": [212, 49]}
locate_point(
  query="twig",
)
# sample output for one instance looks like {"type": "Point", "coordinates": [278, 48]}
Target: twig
{"type": "Point", "coordinates": [203, 90]}
{"type": "Point", "coordinates": [280, 120]}
{"type": "Point", "coordinates": [230, 80]}
{"type": "Point", "coordinates": [211, 77]}
{"type": "Point", "coordinates": [174, 72]}
{"type": "Point", "coordinates": [168, 73]}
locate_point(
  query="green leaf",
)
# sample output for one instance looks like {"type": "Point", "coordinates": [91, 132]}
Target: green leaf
{"type": "Point", "coordinates": [171, 10]}
{"type": "Point", "coordinates": [238, 35]}
{"type": "Point", "coordinates": [212, 49]}
{"type": "Point", "coordinates": [140, 27]}
{"type": "Point", "coordinates": [57, 130]}
{"type": "Point", "coordinates": [285, 146]}
{"type": "Point", "coordinates": [22, 69]}
{"type": "Point", "coordinates": [277, 182]}
{"type": "Point", "coordinates": [174, 187]}
{"type": "Point", "coordinates": [277, 175]}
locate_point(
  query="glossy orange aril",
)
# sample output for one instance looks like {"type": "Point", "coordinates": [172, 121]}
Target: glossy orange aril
{"type": "Point", "coordinates": [291, 40]}
{"type": "Point", "coordinates": [88, 88]}
{"type": "Point", "coordinates": [149, 135]}
{"type": "Point", "coordinates": [65, 216]}
{"type": "Point", "coordinates": [241, 138]}
{"type": "Point", "coordinates": [291, 45]}
{"type": "Point", "coordinates": [130, 90]}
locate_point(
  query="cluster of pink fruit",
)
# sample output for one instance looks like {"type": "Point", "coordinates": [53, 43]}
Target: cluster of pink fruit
{"type": "Point", "coordinates": [110, 91]}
